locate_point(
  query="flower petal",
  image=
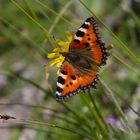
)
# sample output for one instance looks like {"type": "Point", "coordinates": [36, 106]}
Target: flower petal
{"type": "Point", "coordinates": [51, 55]}
{"type": "Point", "coordinates": [61, 43]}
{"type": "Point", "coordinates": [58, 61]}
{"type": "Point", "coordinates": [58, 71]}
{"type": "Point", "coordinates": [59, 64]}
{"type": "Point", "coordinates": [61, 59]}
{"type": "Point", "coordinates": [67, 44]}
{"type": "Point", "coordinates": [56, 50]}
{"type": "Point", "coordinates": [68, 36]}
{"type": "Point", "coordinates": [54, 62]}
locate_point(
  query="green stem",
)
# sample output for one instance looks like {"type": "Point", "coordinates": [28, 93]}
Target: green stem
{"type": "Point", "coordinates": [46, 33]}
{"type": "Point", "coordinates": [98, 122]}
{"type": "Point", "coordinates": [13, 74]}
{"type": "Point", "coordinates": [60, 15]}
{"type": "Point", "coordinates": [34, 44]}
{"type": "Point", "coordinates": [79, 117]}
{"type": "Point", "coordinates": [55, 13]}
{"type": "Point", "coordinates": [98, 112]}
{"type": "Point", "coordinates": [31, 10]}
{"type": "Point", "coordinates": [110, 95]}
{"type": "Point", "coordinates": [34, 122]}
{"type": "Point", "coordinates": [43, 29]}
{"type": "Point", "coordinates": [127, 65]}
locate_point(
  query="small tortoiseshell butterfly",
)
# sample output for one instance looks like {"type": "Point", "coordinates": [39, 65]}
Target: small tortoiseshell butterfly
{"type": "Point", "coordinates": [86, 54]}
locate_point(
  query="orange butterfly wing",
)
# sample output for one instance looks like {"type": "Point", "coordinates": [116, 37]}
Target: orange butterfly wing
{"type": "Point", "coordinates": [69, 82]}
{"type": "Point", "coordinates": [88, 36]}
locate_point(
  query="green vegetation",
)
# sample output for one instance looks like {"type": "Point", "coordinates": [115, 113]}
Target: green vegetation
{"type": "Point", "coordinates": [29, 30]}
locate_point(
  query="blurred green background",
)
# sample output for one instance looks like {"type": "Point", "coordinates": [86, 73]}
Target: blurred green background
{"type": "Point", "coordinates": [27, 34]}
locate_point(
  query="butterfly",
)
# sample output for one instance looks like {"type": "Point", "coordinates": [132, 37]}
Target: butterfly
{"type": "Point", "coordinates": [80, 68]}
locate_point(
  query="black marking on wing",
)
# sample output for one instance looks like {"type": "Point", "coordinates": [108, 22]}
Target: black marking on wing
{"type": "Point", "coordinates": [61, 80]}
{"type": "Point", "coordinates": [59, 89]}
{"type": "Point", "coordinates": [76, 40]}
{"type": "Point", "coordinates": [85, 26]}
{"type": "Point", "coordinates": [73, 77]}
{"type": "Point", "coordinates": [63, 72]}
{"type": "Point", "coordinates": [86, 44]}
{"type": "Point", "coordinates": [80, 33]}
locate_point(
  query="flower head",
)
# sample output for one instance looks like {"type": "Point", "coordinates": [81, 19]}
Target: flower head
{"type": "Point", "coordinates": [56, 55]}
{"type": "Point", "coordinates": [113, 121]}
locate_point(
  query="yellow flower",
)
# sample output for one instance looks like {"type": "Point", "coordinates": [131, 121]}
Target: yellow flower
{"type": "Point", "coordinates": [64, 47]}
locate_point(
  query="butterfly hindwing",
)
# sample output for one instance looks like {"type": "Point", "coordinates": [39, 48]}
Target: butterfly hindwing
{"type": "Point", "coordinates": [69, 83]}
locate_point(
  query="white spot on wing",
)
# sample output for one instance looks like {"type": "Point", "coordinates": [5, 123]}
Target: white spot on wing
{"type": "Point", "coordinates": [58, 93]}
{"type": "Point", "coordinates": [60, 85]}
{"type": "Point", "coordinates": [78, 38]}
{"type": "Point", "coordinates": [62, 75]}
{"type": "Point", "coordinates": [82, 29]}
{"type": "Point", "coordinates": [87, 23]}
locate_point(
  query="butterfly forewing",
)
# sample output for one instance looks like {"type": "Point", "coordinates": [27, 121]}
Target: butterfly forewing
{"type": "Point", "coordinates": [88, 36]}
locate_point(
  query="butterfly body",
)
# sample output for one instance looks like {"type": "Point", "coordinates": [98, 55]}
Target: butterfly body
{"type": "Point", "coordinates": [79, 70]}
{"type": "Point", "coordinates": [79, 58]}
